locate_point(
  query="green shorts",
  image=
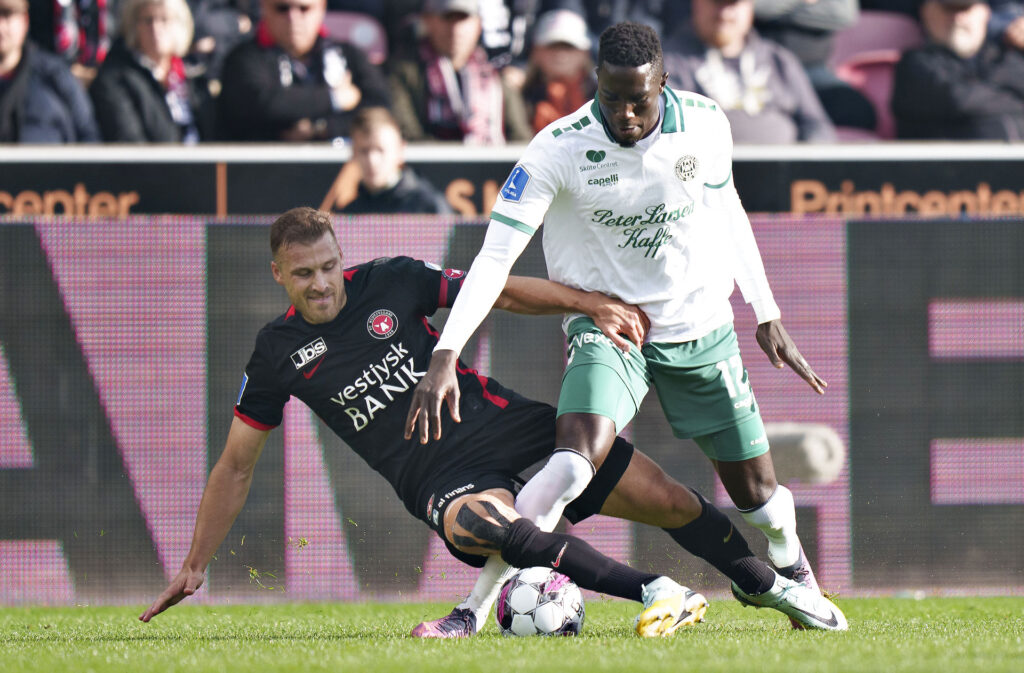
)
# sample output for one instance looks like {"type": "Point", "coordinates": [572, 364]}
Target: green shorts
{"type": "Point", "coordinates": [702, 387]}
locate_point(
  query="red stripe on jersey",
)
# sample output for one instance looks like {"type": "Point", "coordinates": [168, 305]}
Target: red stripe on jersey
{"type": "Point", "coordinates": [252, 421]}
{"type": "Point", "coordinates": [290, 313]}
{"type": "Point", "coordinates": [348, 273]}
{"type": "Point", "coordinates": [500, 402]}
{"type": "Point", "coordinates": [442, 299]}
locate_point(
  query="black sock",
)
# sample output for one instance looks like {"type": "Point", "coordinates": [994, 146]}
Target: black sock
{"type": "Point", "coordinates": [526, 546]}
{"type": "Point", "coordinates": [712, 537]}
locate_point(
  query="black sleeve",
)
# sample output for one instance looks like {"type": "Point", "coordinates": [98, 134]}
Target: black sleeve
{"type": "Point", "coordinates": [254, 105]}
{"type": "Point", "coordinates": [117, 117]}
{"type": "Point", "coordinates": [932, 86]}
{"type": "Point", "coordinates": [433, 286]}
{"type": "Point", "coordinates": [368, 77]}
{"type": "Point", "coordinates": [261, 401]}
{"type": "Point", "coordinates": [77, 102]}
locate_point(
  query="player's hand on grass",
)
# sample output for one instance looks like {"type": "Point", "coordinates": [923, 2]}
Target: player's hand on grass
{"type": "Point", "coordinates": [776, 342]}
{"type": "Point", "coordinates": [185, 584]}
{"type": "Point", "coordinates": [438, 385]}
{"type": "Point", "coordinates": [625, 324]}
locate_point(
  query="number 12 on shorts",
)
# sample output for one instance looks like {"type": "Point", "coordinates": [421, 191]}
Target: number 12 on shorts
{"type": "Point", "coordinates": [733, 375]}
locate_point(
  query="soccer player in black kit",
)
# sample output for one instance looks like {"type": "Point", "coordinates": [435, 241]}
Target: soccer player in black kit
{"type": "Point", "coordinates": [352, 347]}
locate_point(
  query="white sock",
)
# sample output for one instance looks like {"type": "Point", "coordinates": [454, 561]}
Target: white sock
{"type": "Point", "coordinates": [776, 518]}
{"type": "Point", "coordinates": [558, 483]}
{"type": "Point", "coordinates": [492, 576]}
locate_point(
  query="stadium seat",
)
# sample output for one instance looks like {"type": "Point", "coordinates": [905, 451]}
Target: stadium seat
{"type": "Point", "coordinates": [872, 74]}
{"type": "Point", "coordinates": [876, 31]}
{"type": "Point", "coordinates": [360, 30]}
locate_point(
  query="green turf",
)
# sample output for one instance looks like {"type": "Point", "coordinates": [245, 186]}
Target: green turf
{"type": "Point", "coordinates": [934, 635]}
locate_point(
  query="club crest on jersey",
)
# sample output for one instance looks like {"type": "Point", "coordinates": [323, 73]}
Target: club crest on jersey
{"type": "Point", "coordinates": [382, 324]}
{"type": "Point", "coordinates": [308, 353]}
{"type": "Point", "coordinates": [453, 274]}
{"type": "Point", "coordinates": [515, 185]}
{"type": "Point", "coordinates": [686, 167]}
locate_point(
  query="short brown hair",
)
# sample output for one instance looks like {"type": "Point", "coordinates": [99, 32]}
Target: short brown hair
{"type": "Point", "coordinates": [300, 225]}
{"type": "Point", "coordinates": [369, 119]}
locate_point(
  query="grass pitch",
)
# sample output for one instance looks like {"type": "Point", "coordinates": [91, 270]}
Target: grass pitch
{"type": "Point", "coordinates": [936, 634]}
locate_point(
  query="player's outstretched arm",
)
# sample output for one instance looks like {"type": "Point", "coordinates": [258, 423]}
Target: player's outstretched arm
{"type": "Point", "coordinates": [621, 322]}
{"type": "Point", "coordinates": [225, 493]}
{"type": "Point", "coordinates": [777, 344]}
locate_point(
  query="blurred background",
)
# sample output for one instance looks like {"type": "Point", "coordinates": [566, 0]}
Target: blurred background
{"type": "Point", "coordinates": [147, 145]}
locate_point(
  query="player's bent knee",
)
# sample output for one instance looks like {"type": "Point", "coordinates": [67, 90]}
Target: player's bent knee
{"type": "Point", "coordinates": [480, 526]}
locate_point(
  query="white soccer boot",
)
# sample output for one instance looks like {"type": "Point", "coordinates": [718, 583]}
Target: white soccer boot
{"type": "Point", "coordinates": [667, 607]}
{"type": "Point", "coordinates": [798, 602]}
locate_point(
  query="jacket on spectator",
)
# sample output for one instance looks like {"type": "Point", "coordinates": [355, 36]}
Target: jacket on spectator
{"type": "Point", "coordinates": [492, 112]}
{"type": "Point", "coordinates": [44, 103]}
{"type": "Point", "coordinates": [131, 106]}
{"type": "Point", "coordinates": [411, 194]}
{"type": "Point", "coordinates": [265, 92]}
{"type": "Point", "coordinates": [937, 94]}
{"type": "Point", "coordinates": [765, 93]}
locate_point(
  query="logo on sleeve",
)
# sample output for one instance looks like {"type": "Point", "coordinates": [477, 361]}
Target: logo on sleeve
{"type": "Point", "coordinates": [308, 353]}
{"type": "Point", "coordinates": [382, 324]}
{"type": "Point", "coordinates": [241, 391]}
{"type": "Point", "coordinates": [453, 274]}
{"type": "Point", "coordinates": [515, 185]}
{"type": "Point", "coordinates": [686, 167]}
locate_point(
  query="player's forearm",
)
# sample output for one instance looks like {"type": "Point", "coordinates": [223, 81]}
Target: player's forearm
{"type": "Point", "coordinates": [225, 494]}
{"type": "Point", "coordinates": [537, 296]}
{"type": "Point", "coordinates": [483, 285]}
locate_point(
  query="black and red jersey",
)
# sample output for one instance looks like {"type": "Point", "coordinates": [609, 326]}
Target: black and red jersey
{"type": "Point", "coordinates": [358, 372]}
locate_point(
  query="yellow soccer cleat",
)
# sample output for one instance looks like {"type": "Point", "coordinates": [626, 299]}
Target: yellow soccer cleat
{"type": "Point", "coordinates": [667, 607]}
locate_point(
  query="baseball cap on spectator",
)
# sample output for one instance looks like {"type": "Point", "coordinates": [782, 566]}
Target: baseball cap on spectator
{"type": "Point", "coordinates": [561, 25]}
{"type": "Point", "coordinates": [471, 7]}
{"type": "Point", "coordinates": [14, 5]}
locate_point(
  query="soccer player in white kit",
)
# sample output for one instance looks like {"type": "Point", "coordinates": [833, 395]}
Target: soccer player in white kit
{"type": "Point", "coordinates": [636, 194]}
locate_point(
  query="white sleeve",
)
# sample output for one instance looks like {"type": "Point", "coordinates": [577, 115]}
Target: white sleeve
{"type": "Point", "coordinates": [748, 268]}
{"type": "Point", "coordinates": [484, 282]}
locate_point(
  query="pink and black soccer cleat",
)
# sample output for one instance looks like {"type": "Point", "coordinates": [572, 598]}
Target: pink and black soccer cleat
{"type": "Point", "coordinates": [461, 623]}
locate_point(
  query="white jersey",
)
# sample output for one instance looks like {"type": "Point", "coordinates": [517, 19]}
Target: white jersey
{"type": "Point", "coordinates": [658, 224]}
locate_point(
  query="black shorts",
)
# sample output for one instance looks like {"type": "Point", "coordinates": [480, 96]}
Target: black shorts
{"type": "Point", "coordinates": [445, 491]}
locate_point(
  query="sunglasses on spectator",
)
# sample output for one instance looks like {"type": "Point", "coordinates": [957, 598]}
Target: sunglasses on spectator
{"type": "Point", "coordinates": [285, 8]}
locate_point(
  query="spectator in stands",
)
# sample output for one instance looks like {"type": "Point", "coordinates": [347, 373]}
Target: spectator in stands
{"type": "Point", "coordinates": [79, 31]}
{"type": "Point", "coordinates": [807, 28]}
{"type": "Point", "coordinates": [1007, 23]}
{"type": "Point", "coordinates": [387, 185]}
{"type": "Point", "coordinates": [561, 75]}
{"type": "Point", "coordinates": [959, 86]}
{"type": "Point", "coordinates": [664, 16]}
{"type": "Point", "coordinates": [220, 26]}
{"type": "Point", "coordinates": [908, 7]}
{"type": "Point", "coordinates": [40, 100]}
{"type": "Point", "coordinates": [447, 90]}
{"type": "Point", "coordinates": [761, 85]}
{"type": "Point", "coordinates": [291, 83]}
{"type": "Point", "coordinates": [142, 92]}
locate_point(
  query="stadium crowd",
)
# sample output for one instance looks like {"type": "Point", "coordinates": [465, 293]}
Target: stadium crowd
{"type": "Point", "coordinates": [488, 72]}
